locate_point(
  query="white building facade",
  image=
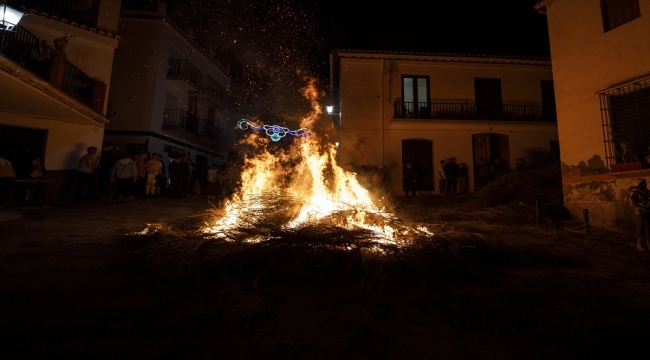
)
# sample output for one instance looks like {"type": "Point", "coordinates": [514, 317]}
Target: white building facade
{"type": "Point", "coordinates": [396, 108]}
{"type": "Point", "coordinates": [55, 71]}
{"type": "Point", "coordinates": [172, 95]}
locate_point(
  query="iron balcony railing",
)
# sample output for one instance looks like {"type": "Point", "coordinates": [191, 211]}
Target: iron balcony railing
{"type": "Point", "coordinates": [175, 117]}
{"type": "Point", "coordinates": [80, 12]}
{"type": "Point", "coordinates": [77, 84]}
{"type": "Point", "coordinates": [210, 130]}
{"type": "Point", "coordinates": [211, 85]}
{"type": "Point", "coordinates": [27, 51]}
{"type": "Point", "coordinates": [182, 68]}
{"type": "Point", "coordinates": [468, 110]}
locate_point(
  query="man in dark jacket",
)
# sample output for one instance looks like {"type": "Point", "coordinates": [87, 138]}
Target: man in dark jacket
{"type": "Point", "coordinates": [639, 198]}
{"type": "Point", "coordinates": [176, 175]}
{"type": "Point", "coordinates": [410, 179]}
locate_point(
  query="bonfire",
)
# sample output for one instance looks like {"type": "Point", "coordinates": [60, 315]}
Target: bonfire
{"type": "Point", "coordinates": [302, 185]}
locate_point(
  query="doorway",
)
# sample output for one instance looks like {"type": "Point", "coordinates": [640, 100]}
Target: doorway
{"type": "Point", "coordinates": [419, 153]}
{"type": "Point", "coordinates": [21, 145]}
{"type": "Point", "coordinates": [487, 148]}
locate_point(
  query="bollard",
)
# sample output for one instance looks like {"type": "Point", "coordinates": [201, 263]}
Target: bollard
{"type": "Point", "coordinates": [585, 215]}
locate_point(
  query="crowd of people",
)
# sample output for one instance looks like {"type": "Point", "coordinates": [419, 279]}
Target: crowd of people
{"type": "Point", "coordinates": [127, 176]}
{"type": "Point", "coordinates": [145, 175]}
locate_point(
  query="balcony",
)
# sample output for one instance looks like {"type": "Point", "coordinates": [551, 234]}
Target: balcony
{"type": "Point", "coordinates": [80, 12]}
{"type": "Point", "coordinates": [179, 123]}
{"type": "Point", "coordinates": [212, 88]}
{"type": "Point", "coordinates": [202, 132]}
{"type": "Point", "coordinates": [448, 109]}
{"type": "Point", "coordinates": [28, 51]}
{"type": "Point", "coordinates": [184, 74]}
{"type": "Point", "coordinates": [25, 49]}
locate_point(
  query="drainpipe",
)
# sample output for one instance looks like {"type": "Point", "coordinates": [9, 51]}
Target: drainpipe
{"type": "Point", "coordinates": [383, 137]}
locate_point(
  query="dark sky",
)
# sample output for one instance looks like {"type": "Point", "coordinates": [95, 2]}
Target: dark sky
{"type": "Point", "coordinates": [509, 27]}
{"type": "Point", "coordinates": [275, 37]}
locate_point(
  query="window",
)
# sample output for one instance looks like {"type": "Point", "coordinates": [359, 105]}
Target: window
{"type": "Point", "coordinates": [618, 12]}
{"type": "Point", "coordinates": [415, 96]}
{"type": "Point", "coordinates": [626, 120]}
{"type": "Point", "coordinates": [489, 103]}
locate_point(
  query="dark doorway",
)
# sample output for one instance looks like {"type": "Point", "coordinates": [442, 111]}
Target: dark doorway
{"type": "Point", "coordinates": [21, 145]}
{"type": "Point", "coordinates": [419, 153]}
{"type": "Point", "coordinates": [548, 100]}
{"type": "Point", "coordinates": [489, 102]}
{"type": "Point", "coordinates": [489, 147]}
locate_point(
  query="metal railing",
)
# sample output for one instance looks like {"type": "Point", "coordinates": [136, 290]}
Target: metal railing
{"type": "Point", "coordinates": [210, 130]}
{"type": "Point", "coordinates": [211, 85]}
{"type": "Point", "coordinates": [175, 117]}
{"type": "Point", "coordinates": [182, 68]}
{"type": "Point", "coordinates": [77, 84]}
{"type": "Point", "coordinates": [625, 112]}
{"type": "Point", "coordinates": [26, 50]}
{"type": "Point", "coordinates": [462, 109]}
{"type": "Point", "coordinates": [78, 12]}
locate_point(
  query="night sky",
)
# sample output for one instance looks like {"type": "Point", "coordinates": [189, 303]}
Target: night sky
{"type": "Point", "coordinates": [310, 30]}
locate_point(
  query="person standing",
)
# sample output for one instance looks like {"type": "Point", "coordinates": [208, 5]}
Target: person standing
{"type": "Point", "coordinates": [212, 183]}
{"type": "Point", "coordinates": [105, 166]}
{"type": "Point", "coordinates": [176, 175]}
{"type": "Point", "coordinates": [85, 176]}
{"type": "Point", "coordinates": [640, 199]}
{"type": "Point", "coordinates": [452, 176]}
{"type": "Point", "coordinates": [462, 178]}
{"type": "Point", "coordinates": [154, 169]}
{"type": "Point", "coordinates": [442, 176]}
{"type": "Point", "coordinates": [7, 175]}
{"type": "Point", "coordinates": [141, 183]}
{"type": "Point", "coordinates": [125, 173]}
{"type": "Point", "coordinates": [410, 179]}
{"type": "Point", "coordinates": [378, 179]}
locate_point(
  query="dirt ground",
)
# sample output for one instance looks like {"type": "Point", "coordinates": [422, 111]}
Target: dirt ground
{"type": "Point", "coordinates": [73, 285]}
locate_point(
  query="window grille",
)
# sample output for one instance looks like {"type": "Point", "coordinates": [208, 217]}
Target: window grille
{"type": "Point", "coordinates": [625, 113]}
{"type": "Point", "coordinates": [618, 12]}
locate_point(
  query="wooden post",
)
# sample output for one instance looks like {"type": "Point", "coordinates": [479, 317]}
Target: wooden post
{"type": "Point", "coordinates": [537, 212]}
{"type": "Point", "coordinates": [99, 96]}
{"type": "Point", "coordinates": [585, 215]}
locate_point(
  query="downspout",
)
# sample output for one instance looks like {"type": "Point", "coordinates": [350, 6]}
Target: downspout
{"type": "Point", "coordinates": [383, 137]}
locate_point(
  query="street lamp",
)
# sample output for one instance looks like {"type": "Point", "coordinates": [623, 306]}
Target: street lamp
{"type": "Point", "coordinates": [9, 18]}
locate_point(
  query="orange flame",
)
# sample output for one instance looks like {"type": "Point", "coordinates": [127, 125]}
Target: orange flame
{"type": "Point", "coordinates": [319, 187]}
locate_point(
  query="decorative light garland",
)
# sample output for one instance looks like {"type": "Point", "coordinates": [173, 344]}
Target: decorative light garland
{"type": "Point", "coordinates": [275, 132]}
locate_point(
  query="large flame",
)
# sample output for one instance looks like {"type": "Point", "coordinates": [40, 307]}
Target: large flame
{"type": "Point", "coordinates": [308, 174]}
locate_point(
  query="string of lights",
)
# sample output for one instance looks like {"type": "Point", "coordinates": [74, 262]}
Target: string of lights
{"type": "Point", "coordinates": [275, 132]}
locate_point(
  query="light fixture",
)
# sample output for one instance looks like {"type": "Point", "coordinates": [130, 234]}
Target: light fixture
{"type": "Point", "coordinates": [9, 17]}
{"type": "Point", "coordinates": [330, 109]}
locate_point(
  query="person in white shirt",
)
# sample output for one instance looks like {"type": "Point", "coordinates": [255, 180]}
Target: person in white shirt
{"type": "Point", "coordinates": [85, 175]}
